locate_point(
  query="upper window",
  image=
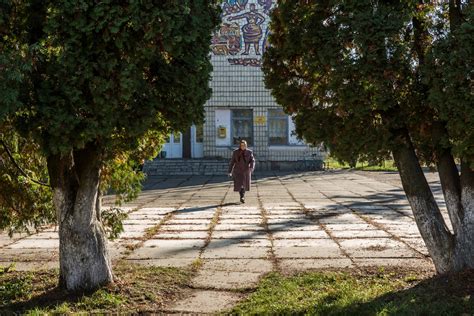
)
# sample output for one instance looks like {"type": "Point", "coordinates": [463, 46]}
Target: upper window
{"type": "Point", "coordinates": [242, 126]}
{"type": "Point", "coordinates": [277, 127]}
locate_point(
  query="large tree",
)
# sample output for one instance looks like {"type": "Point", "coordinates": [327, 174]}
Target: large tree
{"type": "Point", "coordinates": [92, 84]}
{"type": "Point", "coordinates": [372, 79]}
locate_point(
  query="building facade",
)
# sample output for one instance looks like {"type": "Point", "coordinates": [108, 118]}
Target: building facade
{"type": "Point", "coordinates": [241, 107]}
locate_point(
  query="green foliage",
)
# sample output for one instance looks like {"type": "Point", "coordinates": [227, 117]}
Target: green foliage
{"type": "Point", "coordinates": [449, 75]}
{"type": "Point", "coordinates": [115, 70]}
{"type": "Point", "coordinates": [112, 219]}
{"type": "Point", "coordinates": [119, 75]}
{"type": "Point", "coordinates": [24, 205]}
{"type": "Point", "coordinates": [354, 73]}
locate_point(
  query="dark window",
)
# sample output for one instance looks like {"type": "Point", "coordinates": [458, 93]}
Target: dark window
{"type": "Point", "coordinates": [242, 126]}
{"type": "Point", "coordinates": [277, 127]}
{"type": "Point", "coordinates": [199, 133]}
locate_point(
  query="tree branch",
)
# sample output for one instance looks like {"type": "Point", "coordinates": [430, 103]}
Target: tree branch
{"type": "Point", "coordinates": [9, 153]}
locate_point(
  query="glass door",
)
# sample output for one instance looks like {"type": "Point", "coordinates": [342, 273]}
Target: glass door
{"type": "Point", "coordinates": [173, 147]}
{"type": "Point", "coordinates": [197, 141]}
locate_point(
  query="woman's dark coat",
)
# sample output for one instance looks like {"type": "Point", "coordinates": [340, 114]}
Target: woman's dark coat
{"type": "Point", "coordinates": [241, 166]}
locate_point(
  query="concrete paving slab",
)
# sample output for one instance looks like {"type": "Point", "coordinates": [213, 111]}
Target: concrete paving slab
{"type": "Point", "coordinates": [166, 243]}
{"type": "Point", "coordinates": [166, 227]}
{"type": "Point", "coordinates": [299, 265]}
{"type": "Point", "coordinates": [300, 234]}
{"type": "Point", "coordinates": [286, 228]}
{"type": "Point", "coordinates": [32, 243]}
{"type": "Point", "coordinates": [235, 252]}
{"type": "Point", "coordinates": [303, 243]}
{"type": "Point", "coordinates": [327, 251]}
{"type": "Point", "coordinates": [241, 217]}
{"type": "Point", "coordinates": [418, 244]}
{"type": "Point", "coordinates": [28, 254]}
{"type": "Point", "coordinates": [44, 235]}
{"type": "Point", "coordinates": [404, 232]}
{"type": "Point", "coordinates": [393, 262]}
{"type": "Point", "coordinates": [239, 227]}
{"type": "Point", "coordinates": [164, 253]}
{"type": "Point", "coordinates": [347, 234]}
{"type": "Point", "coordinates": [303, 221]}
{"type": "Point", "coordinates": [132, 234]}
{"type": "Point", "coordinates": [195, 221]}
{"type": "Point", "coordinates": [161, 248]}
{"type": "Point", "coordinates": [359, 227]}
{"type": "Point", "coordinates": [240, 221]}
{"type": "Point", "coordinates": [142, 221]}
{"type": "Point", "coordinates": [137, 228]}
{"type": "Point", "coordinates": [207, 216]}
{"type": "Point", "coordinates": [164, 262]}
{"type": "Point", "coordinates": [377, 248]}
{"type": "Point", "coordinates": [181, 235]}
{"type": "Point", "coordinates": [225, 280]}
{"type": "Point", "coordinates": [246, 243]}
{"type": "Point", "coordinates": [238, 234]}
{"type": "Point", "coordinates": [145, 217]}
{"type": "Point", "coordinates": [154, 210]}
{"type": "Point", "coordinates": [242, 265]}
{"type": "Point", "coordinates": [205, 301]}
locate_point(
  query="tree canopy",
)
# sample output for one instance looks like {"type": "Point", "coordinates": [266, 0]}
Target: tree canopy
{"type": "Point", "coordinates": [88, 90]}
{"type": "Point", "coordinates": [371, 79]}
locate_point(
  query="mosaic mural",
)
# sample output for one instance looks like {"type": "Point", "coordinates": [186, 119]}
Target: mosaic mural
{"type": "Point", "coordinates": [244, 31]}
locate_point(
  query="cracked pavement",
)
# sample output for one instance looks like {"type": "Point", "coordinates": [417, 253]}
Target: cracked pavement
{"type": "Point", "coordinates": [289, 223]}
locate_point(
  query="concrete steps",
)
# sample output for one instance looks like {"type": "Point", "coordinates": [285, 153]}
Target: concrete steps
{"type": "Point", "coordinates": [160, 167]}
{"type": "Point", "coordinates": [208, 166]}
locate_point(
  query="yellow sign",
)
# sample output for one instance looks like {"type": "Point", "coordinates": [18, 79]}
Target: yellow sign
{"type": "Point", "coordinates": [222, 132]}
{"type": "Point", "coordinates": [261, 120]}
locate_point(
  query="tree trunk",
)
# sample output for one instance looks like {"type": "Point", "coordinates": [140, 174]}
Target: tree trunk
{"type": "Point", "coordinates": [439, 241]}
{"type": "Point", "coordinates": [464, 252]}
{"type": "Point", "coordinates": [455, 14]}
{"type": "Point", "coordinates": [83, 255]}
{"type": "Point", "coordinates": [451, 185]}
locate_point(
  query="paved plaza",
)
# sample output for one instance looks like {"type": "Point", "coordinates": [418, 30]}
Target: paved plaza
{"type": "Point", "coordinates": [289, 223]}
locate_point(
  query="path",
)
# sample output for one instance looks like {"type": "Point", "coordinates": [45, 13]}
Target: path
{"type": "Point", "coordinates": [290, 223]}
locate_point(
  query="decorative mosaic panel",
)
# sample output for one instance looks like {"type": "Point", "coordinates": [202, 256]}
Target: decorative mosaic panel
{"type": "Point", "coordinates": [243, 35]}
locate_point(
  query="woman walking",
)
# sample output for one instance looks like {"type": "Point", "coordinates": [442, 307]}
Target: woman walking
{"type": "Point", "coordinates": [241, 167]}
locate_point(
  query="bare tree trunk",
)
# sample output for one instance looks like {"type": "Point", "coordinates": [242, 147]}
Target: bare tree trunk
{"type": "Point", "coordinates": [83, 255]}
{"type": "Point", "coordinates": [464, 254]}
{"type": "Point", "coordinates": [438, 239]}
{"type": "Point", "coordinates": [451, 185]}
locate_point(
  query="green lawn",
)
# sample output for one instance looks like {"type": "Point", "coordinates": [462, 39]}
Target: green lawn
{"type": "Point", "coordinates": [137, 289]}
{"type": "Point", "coordinates": [388, 165]}
{"type": "Point", "coordinates": [344, 293]}
{"type": "Point", "coordinates": [147, 289]}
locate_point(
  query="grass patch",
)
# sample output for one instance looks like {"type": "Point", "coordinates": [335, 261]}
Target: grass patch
{"type": "Point", "coordinates": [368, 293]}
{"type": "Point", "coordinates": [137, 289]}
{"type": "Point", "coordinates": [387, 165]}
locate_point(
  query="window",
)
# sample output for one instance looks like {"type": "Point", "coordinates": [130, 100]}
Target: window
{"type": "Point", "coordinates": [277, 127]}
{"type": "Point", "coordinates": [199, 133]}
{"type": "Point", "coordinates": [177, 137]}
{"type": "Point", "coordinates": [242, 126]}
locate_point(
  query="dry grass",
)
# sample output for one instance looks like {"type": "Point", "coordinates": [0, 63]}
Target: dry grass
{"type": "Point", "coordinates": [136, 289]}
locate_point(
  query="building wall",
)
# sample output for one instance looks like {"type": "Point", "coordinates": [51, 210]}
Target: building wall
{"type": "Point", "coordinates": [237, 83]}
